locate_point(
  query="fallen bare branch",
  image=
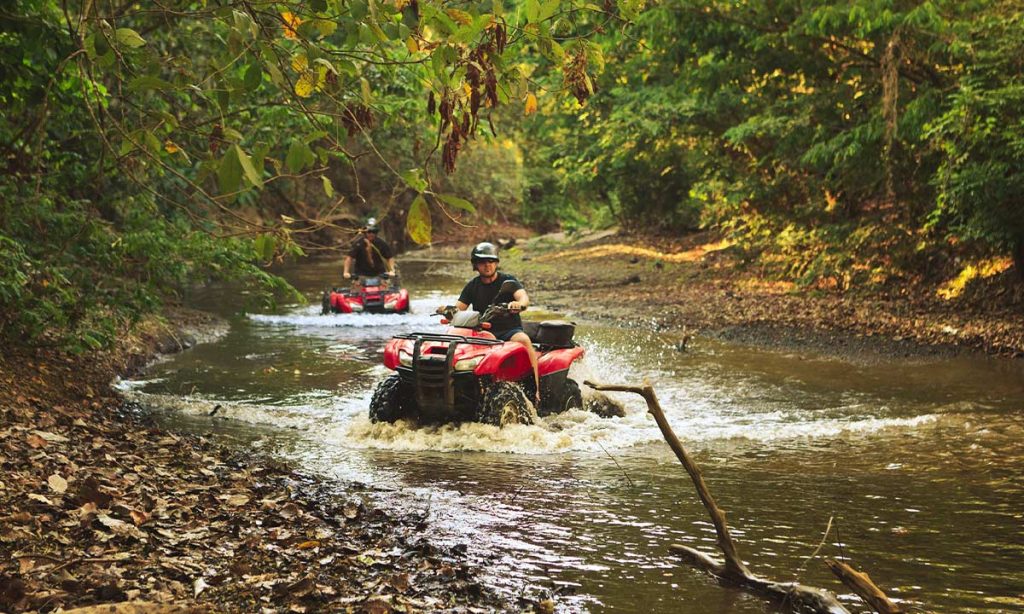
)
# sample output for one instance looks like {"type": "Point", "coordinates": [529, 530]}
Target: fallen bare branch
{"type": "Point", "coordinates": [860, 583]}
{"type": "Point", "coordinates": [732, 569]}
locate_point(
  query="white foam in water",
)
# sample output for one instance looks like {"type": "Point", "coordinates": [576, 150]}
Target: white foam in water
{"type": "Point", "coordinates": [310, 317]}
{"type": "Point", "coordinates": [698, 410]}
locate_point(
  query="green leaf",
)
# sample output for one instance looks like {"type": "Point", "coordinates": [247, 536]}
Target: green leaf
{"type": "Point", "coordinates": [328, 186]}
{"type": "Point", "coordinates": [147, 82]}
{"type": "Point", "coordinates": [253, 76]}
{"type": "Point", "coordinates": [129, 38]}
{"type": "Point", "coordinates": [255, 177]}
{"type": "Point", "coordinates": [275, 74]}
{"type": "Point", "coordinates": [418, 225]}
{"type": "Point", "coordinates": [456, 202]}
{"type": "Point", "coordinates": [265, 245]}
{"type": "Point", "coordinates": [414, 179]}
{"type": "Point", "coordinates": [152, 142]}
{"type": "Point", "coordinates": [229, 175]}
{"type": "Point", "coordinates": [299, 156]}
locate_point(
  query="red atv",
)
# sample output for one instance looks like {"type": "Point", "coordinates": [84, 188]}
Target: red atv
{"type": "Point", "coordinates": [466, 374]}
{"type": "Point", "coordinates": [367, 294]}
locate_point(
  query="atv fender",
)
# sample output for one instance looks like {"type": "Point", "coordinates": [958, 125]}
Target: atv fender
{"type": "Point", "coordinates": [510, 362]}
{"type": "Point", "coordinates": [558, 360]}
{"type": "Point", "coordinates": [391, 353]}
{"type": "Point", "coordinates": [339, 303]}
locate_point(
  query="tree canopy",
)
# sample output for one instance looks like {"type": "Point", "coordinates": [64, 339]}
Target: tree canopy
{"type": "Point", "coordinates": [148, 147]}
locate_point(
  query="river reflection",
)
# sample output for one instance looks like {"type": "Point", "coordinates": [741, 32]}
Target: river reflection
{"type": "Point", "coordinates": [916, 463]}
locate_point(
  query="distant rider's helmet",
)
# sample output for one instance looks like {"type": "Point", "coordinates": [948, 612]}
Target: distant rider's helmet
{"type": "Point", "coordinates": [371, 225]}
{"type": "Point", "coordinates": [484, 252]}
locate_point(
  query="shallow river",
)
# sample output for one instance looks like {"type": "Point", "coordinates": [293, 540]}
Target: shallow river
{"type": "Point", "coordinates": [918, 463]}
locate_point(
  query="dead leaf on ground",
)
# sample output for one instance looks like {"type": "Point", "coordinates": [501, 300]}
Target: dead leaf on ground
{"type": "Point", "coordinates": [237, 500]}
{"type": "Point", "coordinates": [139, 517]}
{"type": "Point", "coordinates": [57, 483]}
{"type": "Point", "coordinates": [51, 437]}
{"type": "Point", "coordinates": [400, 582]}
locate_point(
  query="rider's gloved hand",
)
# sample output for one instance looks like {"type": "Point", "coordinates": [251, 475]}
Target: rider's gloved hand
{"type": "Point", "coordinates": [440, 310]}
{"type": "Point", "coordinates": [516, 306]}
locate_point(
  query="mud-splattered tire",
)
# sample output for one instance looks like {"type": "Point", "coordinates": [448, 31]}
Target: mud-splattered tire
{"type": "Point", "coordinates": [388, 404]}
{"type": "Point", "coordinates": [505, 403]}
{"type": "Point", "coordinates": [604, 406]}
{"type": "Point", "coordinates": [573, 397]}
{"type": "Point", "coordinates": [325, 303]}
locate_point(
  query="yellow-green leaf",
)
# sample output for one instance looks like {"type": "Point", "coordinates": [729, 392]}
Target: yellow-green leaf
{"type": "Point", "coordinates": [414, 179]}
{"type": "Point", "coordinates": [456, 202]}
{"type": "Point", "coordinates": [418, 223]}
{"type": "Point", "coordinates": [129, 38]}
{"type": "Point", "coordinates": [366, 91]}
{"type": "Point", "coordinates": [328, 186]}
{"type": "Point", "coordinates": [326, 27]}
{"type": "Point", "coordinates": [254, 176]}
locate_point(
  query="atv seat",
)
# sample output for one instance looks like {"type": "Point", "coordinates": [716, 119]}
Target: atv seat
{"type": "Point", "coordinates": [550, 333]}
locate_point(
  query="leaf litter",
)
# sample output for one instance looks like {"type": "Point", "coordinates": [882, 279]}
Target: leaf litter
{"type": "Point", "coordinates": [99, 507]}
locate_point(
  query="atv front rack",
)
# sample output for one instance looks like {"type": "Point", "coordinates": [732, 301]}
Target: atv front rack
{"type": "Point", "coordinates": [444, 338]}
{"type": "Point", "coordinates": [434, 373]}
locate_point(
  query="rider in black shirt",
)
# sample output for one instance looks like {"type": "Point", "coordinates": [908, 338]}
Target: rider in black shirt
{"type": "Point", "coordinates": [370, 254]}
{"type": "Point", "coordinates": [482, 291]}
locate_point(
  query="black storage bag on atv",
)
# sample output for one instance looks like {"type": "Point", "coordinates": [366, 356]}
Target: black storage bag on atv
{"type": "Point", "coordinates": [556, 333]}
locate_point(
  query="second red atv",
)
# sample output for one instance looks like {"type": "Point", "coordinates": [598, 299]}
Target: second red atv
{"type": "Point", "coordinates": [377, 294]}
{"type": "Point", "coordinates": [467, 375]}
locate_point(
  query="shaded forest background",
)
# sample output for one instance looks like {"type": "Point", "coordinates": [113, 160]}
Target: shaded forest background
{"type": "Point", "coordinates": [857, 146]}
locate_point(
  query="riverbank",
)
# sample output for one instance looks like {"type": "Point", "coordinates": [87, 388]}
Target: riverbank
{"type": "Point", "coordinates": [97, 506]}
{"type": "Point", "coordinates": [699, 286]}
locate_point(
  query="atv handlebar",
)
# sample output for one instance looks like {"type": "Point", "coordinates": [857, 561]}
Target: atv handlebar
{"type": "Point", "coordinates": [500, 309]}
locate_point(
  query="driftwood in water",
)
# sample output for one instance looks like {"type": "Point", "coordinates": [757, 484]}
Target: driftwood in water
{"type": "Point", "coordinates": [732, 568]}
{"type": "Point", "coordinates": [860, 583]}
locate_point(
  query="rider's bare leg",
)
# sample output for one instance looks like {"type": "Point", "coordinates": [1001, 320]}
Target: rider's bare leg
{"type": "Point", "coordinates": [524, 339]}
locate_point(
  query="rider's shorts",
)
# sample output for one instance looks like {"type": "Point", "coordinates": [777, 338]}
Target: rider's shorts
{"type": "Point", "coordinates": [507, 334]}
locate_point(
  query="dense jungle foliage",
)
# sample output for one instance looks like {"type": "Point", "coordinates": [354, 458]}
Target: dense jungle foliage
{"type": "Point", "coordinates": [146, 147]}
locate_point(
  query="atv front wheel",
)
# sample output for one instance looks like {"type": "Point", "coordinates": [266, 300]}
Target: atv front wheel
{"type": "Point", "coordinates": [387, 404]}
{"type": "Point", "coordinates": [505, 403]}
{"type": "Point", "coordinates": [325, 303]}
{"type": "Point", "coordinates": [573, 396]}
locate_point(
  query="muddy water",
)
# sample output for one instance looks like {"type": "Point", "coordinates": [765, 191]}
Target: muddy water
{"type": "Point", "coordinates": [918, 464]}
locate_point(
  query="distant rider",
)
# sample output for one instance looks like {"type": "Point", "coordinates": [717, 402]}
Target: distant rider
{"type": "Point", "coordinates": [370, 254]}
{"type": "Point", "coordinates": [481, 292]}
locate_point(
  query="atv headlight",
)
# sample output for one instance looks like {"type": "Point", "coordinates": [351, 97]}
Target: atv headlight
{"type": "Point", "coordinates": [355, 306]}
{"type": "Point", "coordinates": [404, 358]}
{"type": "Point", "coordinates": [468, 364]}
{"type": "Point", "coordinates": [390, 305]}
